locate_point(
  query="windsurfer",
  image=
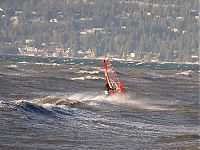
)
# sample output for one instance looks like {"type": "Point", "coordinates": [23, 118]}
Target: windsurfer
{"type": "Point", "coordinates": [107, 88]}
{"type": "Point", "coordinates": [113, 84]}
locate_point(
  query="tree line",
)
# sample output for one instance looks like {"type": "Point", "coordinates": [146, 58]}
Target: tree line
{"type": "Point", "coordinates": [168, 29]}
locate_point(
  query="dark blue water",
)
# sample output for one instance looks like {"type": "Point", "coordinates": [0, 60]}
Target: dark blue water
{"type": "Point", "coordinates": [54, 103]}
{"type": "Point", "coordinates": [98, 63]}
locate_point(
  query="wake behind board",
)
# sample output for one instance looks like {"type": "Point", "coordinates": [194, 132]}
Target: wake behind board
{"type": "Point", "coordinates": [113, 83]}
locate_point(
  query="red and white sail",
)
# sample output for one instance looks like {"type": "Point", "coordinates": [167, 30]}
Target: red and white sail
{"type": "Point", "coordinates": [115, 85]}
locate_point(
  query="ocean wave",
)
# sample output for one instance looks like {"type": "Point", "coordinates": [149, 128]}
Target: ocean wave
{"type": "Point", "coordinates": [48, 64]}
{"type": "Point", "coordinates": [23, 62]}
{"type": "Point", "coordinates": [70, 63]}
{"type": "Point", "coordinates": [127, 99]}
{"type": "Point", "coordinates": [33, 109]}
{"type": "Point", "coordinates": [185, 73]}
{"type": "Point", "coordinates": [87, 78]}
{"type": "Point", "coordinates": [66, 102]}
{"type": "Point", "coordinates": [88, 72]}
{"type": "Point", "coordinates": [12, 66]}
{"type": "Point", "coordinates": [140, 63]}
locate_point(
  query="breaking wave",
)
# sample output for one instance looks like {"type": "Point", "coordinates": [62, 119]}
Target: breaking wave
{"type": "Point", "coordinates": [88, 72]}
{"type": "Point", "coordinates": [88, 78]}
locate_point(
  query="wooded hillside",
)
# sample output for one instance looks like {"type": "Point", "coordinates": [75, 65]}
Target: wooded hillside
{"type": "Point", "coordinates": [167, 29]}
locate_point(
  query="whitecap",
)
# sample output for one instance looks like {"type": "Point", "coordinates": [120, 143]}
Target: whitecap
{"type": "Point", "coordinates": [140, 63]}
{"type": "Point", "coordinates": [87, 78]}
{"type": "Point", "coordinates": [48, 64]}
{"type": "Point", "coordinates": [12, 66]}
{"type": "Point", "coordinates": [185, 73]}
{"type": "Point", "coordinates": [88, 72]}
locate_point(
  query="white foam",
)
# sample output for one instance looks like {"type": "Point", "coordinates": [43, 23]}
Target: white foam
{"type": "Point", "coordinates": [93, 99]}
{"type": "Point", "coordinates": [87, 78]}
{"type": "Point", "coordinates": [88, 72]}
{"type": "Point", "coordinates": [23, 62]}
{"type": "Point", "coordinates": [83, 96]}
{"type": "Point", "coordinates": [185, 73]}
{"type": "Point", "coordinates": [12, 66]}
{"type": "Point", "coordinates": [71, 63]}
{"type": "Point", "coordinates": [126, 100]}
{"type": "Point", "coordinates": [140, 63]}
{"type": "Point", "coordinates": [96, 68]}
{"type": "Point", "coordinates": [122, 99]}
{"type": "Point", "coordinates": [72, 68]}
{"type": "Point", "coordinates": [48, 64]}
{"type": "Point", "coordinates": [1, 103]}
{"type": "Point", "coordinates": [65, 60]}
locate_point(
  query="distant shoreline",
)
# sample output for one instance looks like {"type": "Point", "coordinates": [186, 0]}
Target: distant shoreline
{"type": "Point", "coordinates": [101, 58]}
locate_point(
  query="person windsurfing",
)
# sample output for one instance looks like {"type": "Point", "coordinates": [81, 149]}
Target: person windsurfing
{"type": "Point", "coordinates": [107, 90]}
{"type": "Point", "coordinates": [113, 84]}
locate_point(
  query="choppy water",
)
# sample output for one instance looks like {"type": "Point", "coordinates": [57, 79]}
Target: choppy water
{"type": "Point", "coordinates": [49, 103]}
